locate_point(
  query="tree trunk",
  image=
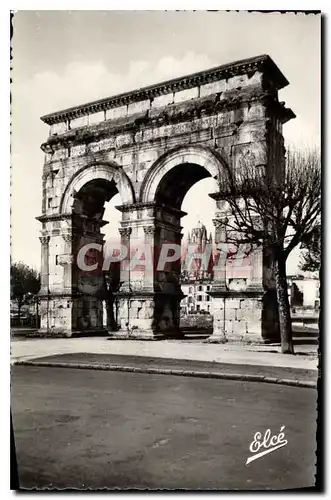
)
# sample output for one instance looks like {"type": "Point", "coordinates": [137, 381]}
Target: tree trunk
{"type": "Point", "coordinates": [110, 314]}
{"type": "Point", "coordinates": [37, 314]}
{"type": "Point", "coordinates": [320, 309]}
{"type": "Point", "coordinates": [285, 323]}
{"type": "Point", "coordinates": [19, 307]}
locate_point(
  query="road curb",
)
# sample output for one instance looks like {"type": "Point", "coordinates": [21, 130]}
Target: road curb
{"type": "Point", "coordinates": [168, 371]}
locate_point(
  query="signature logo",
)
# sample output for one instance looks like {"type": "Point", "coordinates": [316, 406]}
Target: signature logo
{"type": "Point", "coordinates": [266, 443]}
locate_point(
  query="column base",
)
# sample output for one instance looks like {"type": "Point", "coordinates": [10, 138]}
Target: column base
{"type": "Point", "coordinates": [145, 334]}
{"type": "Point", "coordinates": [136, 334]}
{"type": "Point", "coordinates": [64, 333]}
{"type": "Point", "coordinates": [217, 338]}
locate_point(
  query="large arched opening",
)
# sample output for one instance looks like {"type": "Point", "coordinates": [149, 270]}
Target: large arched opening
{"type": "Point", "coordinates": [196, 311]}
{"type": "Point", "coordinates": [167, 185]}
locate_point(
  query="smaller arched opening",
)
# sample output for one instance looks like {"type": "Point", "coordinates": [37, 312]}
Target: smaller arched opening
{"type": "Point", "coordinates": [93, 221]}
{"type": "Point", "coordinates": [105, 178]}
{"type": "Point", "coordinates": [89, 199]}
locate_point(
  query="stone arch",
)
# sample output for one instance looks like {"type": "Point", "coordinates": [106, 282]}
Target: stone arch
{"type": "Point", "coordinates": [209, 163]}
{"type": "Point", "coordinates": [106, 171]}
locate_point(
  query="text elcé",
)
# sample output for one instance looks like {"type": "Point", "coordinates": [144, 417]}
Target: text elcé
{"type": "Point", "coordinates": [267, 443]}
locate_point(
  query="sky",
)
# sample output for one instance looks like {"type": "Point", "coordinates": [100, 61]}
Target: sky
{"type": "Point", "coordinates": [66, 58]}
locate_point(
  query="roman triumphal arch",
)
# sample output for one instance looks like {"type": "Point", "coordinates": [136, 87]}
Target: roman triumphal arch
{"type": "Point", "coordinates": [151, 146]}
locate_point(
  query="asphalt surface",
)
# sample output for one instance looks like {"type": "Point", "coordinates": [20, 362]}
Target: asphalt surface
{"type": "Point", "coordinates": [146, 363]}
{"type": "Point", "coordinates": [91, 429]}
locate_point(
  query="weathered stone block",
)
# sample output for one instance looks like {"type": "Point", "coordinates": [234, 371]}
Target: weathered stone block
{"type": "Point", "coordinates": [59, 128]}
{"type": "Point", "coordinates": [247, 303]}
{"type": "Point", "coordinates": [163, 100]}
{"type": "Point", "coordinates": [60, 154]}
{"type": "Point", "coordinates": [255, 112]}
{"type": "Point", "coordinates": [212, 88]}
{"type": "Point", "coordinates": [244, 134]}
{"type": "Point", "coordinates": [78, 150]}
{"type": "Point", "coordinates": [255, 79]}
{"type": "Point", "coordinates": [232, 304]}
{"type": "Point", "coordinates": [96, 117]}
{"type": "Point", "coordinates": [230, 314]}
{"type": "Point", "coordinates": [120, 112]}
{"type": "Point", "coordinates": [237, 81]}
{"type": "Point", "coordinates": [179, 128]}
{"type": "Point", "coordinates": [229, 325]}
{"type": "Point", "coordinates": [148, 134]}
{"type": "Point", "coordinates": [123, 140]}
{"type": "Point", "coordinates": [166, 131]}
{"type": "Point", "coordinates": [138, 107]}
{"type": "Point", "coordinates": [139, 136]}
{"type": "Point", "coordinates": [240, 327]}
{"type": "Point", "coordinates": [187, 94]}
{"type": "Point", "coordinates": [82, 121]}
{"type": "Point", "coordinates": [224, 118]}
{"type": "Point", "coordinates": [250, 314]}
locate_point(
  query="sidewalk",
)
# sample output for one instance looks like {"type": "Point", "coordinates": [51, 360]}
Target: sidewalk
{"type": "Point", "coordinates": [238, 354]}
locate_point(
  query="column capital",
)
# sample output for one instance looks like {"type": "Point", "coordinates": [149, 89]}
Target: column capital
{"type": "Point", "coordinates": [68, 237]}
{"type": "Point", "coordinates": [149, 230]}
{"type": "Point", "coordinates": [125, 231]}
{"type": "Point", "coordinates": [44, 239]}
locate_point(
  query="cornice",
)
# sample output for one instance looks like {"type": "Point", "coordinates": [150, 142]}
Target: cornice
{"type": "Point", "coordinates": [172, 115]}
{"type": "Point", "coordinates": [54, 217]}
{"type": "Point", "coordinates": [261, 63]}
{"type": "Point", "coordinates": [151, 204]}
{"type": "Point", "coordinates": [70, 216]}
{"type": "Point", "coordinates": [231, 294]}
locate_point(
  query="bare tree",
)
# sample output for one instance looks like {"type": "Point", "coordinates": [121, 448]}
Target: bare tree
{"type": "Point", "coordinates": [311, 255]}
{"type": "Point", "coordinates": [278, 208]}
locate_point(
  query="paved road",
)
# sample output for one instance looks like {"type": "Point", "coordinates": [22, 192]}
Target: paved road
{"type": "Point", "coordinates": [84, 428]}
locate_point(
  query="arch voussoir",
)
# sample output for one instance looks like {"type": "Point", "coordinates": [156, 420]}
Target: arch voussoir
{"type": "Point", "coordinates": [97, 171]}
{"type": "Point", "coordinates": [203, 157]}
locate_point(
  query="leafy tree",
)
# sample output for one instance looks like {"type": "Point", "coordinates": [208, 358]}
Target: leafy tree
{"type": "Point", "coordinates": [24, 282]}
{"type": "Point", "coordinates": [296, 295]}
{"type": "Point", "coordinates": [279, 207]}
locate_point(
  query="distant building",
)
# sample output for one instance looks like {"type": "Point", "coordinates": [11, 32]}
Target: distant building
{"type": "Point", "coordinates": [197, 299]}
{"type": "Point", "coordinates": [303, 291]}
{"type": "Point", "coordinates": [197, 282]}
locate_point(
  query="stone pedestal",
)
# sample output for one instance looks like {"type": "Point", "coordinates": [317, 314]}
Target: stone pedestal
{"type": "Point", "coordinates": [237, 317]}
{"type": "Point", "coordinates": [147, 315]}
{"type": "Point", "coordinates": [70, 298]}
{"type": "Point", "coordinates": [243, 309]}
{"type": "Point", "coordinates": [149, 298]}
